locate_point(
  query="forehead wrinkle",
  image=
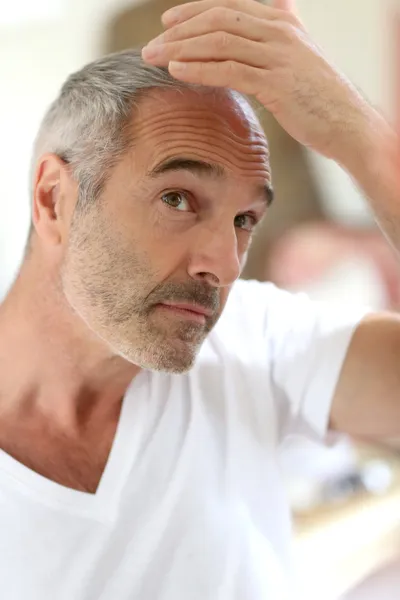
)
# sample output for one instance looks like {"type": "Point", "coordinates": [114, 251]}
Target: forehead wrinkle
{"type": "Point", "coordinates": [248, 153]}
{"type": "Point", "coordinates": [230, 169]}
{"type": "Point", "coordinates": [194, 133]}
{"type": "Point", "coordinates": [187, 113]}
{"type": "Point", "coordinates": [171, 126]}
{"type": "Point", "coordinates": [179, 131]}
{"type": "Point", "coordinates": [239, 161]}
{"type": "Point", "coordinates": [257, 141]}
{"type": "Point", "coordinates": [186, 118]}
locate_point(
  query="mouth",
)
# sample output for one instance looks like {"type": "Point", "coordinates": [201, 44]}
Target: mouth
{"type": "Point", "coordinates": [193, 312]}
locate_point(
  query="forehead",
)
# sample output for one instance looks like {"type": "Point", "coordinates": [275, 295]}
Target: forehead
{"type": "Point", "coordinates": [217, 127]}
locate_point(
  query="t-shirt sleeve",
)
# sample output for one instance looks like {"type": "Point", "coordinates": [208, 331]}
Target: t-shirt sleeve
{"type": "Point", "coordinates": [306, 343]}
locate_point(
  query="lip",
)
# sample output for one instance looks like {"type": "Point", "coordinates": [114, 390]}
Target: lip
{"type": "Point", "coordinates": [192, 311]}
{"type": "Point", "coordinates": [196, 308]}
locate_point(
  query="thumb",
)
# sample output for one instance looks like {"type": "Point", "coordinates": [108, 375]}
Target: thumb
{"type": "Point", "coordinates": [288, 5]}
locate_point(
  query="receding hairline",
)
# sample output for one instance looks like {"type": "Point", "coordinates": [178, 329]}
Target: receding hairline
{"type": "Point", "coordinates": [102, 81]}
{"type": "Point", "coordinates": [238, 104]}
{"type": "Point", "coordinates": [89, 123]}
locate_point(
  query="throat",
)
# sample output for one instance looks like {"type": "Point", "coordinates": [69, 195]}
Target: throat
{"type": "Point", "coordinates": [74, 461]}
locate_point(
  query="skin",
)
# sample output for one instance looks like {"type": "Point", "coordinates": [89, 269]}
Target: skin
{"type": "Point", "coordinates": [84, 315]}
{"type": "Point", "coordinates": [266, 51]}
{"type": "Point", "coordinates": [178, 236]}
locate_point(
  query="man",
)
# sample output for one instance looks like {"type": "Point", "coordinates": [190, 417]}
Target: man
{"type": "Point", "coordinates": [139, 443]}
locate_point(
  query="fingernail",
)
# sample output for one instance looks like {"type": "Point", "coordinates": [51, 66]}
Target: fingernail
{"type": "Point", "coordinates": [176, 66]}
{"type": "Point", "coordinates": [171, 15]}
{"type": "Point", "coordinates": [150, 51]}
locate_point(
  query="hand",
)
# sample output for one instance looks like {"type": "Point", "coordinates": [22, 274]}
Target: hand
{"type": "Point", "coordinates": [266, 52]}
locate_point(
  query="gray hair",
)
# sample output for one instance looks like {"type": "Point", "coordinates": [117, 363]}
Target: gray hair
{"type": "Point", "coordinates": [87, 124]}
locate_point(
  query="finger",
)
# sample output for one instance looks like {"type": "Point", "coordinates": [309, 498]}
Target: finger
{"type": "Point", "coordinates": [217, 46]}
{"type": "Point", "coordinates": [216, 19]}
{"type": "Point", "coordinates": [182, 13]}
{"type": "Point", "coordinates": [243, 78]}
{"type": "Point", "coordinates": [288, 5]}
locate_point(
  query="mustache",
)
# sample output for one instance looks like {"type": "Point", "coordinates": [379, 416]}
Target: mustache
{"type": "Point", "coordinates": [192, 292]}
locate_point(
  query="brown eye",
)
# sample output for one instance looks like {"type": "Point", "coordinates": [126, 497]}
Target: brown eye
{"type": "Point", "coordinates": [176, 200]}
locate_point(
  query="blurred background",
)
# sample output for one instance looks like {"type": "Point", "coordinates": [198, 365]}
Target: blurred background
{"type": "Point", "coordinates": [319, 237]}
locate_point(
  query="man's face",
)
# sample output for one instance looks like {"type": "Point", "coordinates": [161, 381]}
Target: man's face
{"type": "Point", "coordinates": [150, 266]}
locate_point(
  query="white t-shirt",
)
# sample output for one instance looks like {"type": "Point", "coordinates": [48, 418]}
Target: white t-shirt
{"type": "Point", "coordinates": [191, 504]}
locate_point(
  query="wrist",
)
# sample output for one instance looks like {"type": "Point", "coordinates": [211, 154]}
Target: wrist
{"type": "Point", "coordinates": [367, 148]}
{"type": "Point", "coordinates": [372, 158]}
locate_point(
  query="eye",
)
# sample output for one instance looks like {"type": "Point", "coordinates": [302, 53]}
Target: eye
{"type": "Point", "coordinates": [246, 222]}
{"type": "Point", "coordinates": [176, 200]}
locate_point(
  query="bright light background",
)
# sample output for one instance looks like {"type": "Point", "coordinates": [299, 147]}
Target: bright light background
{"type": "Point", "coordinates": [27, 11]}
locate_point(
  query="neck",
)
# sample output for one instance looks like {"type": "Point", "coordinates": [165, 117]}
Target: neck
{"type": "Point", "coordinates": [50, 362]}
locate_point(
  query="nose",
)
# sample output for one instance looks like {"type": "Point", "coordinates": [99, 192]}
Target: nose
{"type": "Point", "coordinates": [215, 257]}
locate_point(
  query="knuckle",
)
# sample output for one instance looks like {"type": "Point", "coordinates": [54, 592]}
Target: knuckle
{"type": "Point", "coordinates": [216, 16]}
{"type": "Point", "coordinates": [169, 36]}
{"type": "Point", "coordinates": [201, 73]}
{"type": "Point", "coordinates": [222, 40]}
{"type": "Point", "coordinates": [234, 4]}
{"type": "Point", "coordinates": [226, 5]}
{"type": "Point", "coordinates": [286, 30]}
{"type": "Point", "coordinates": [231, 69]}
{"type": "Point", "coordinates": [178, 51]}
{"type": "Point", "coordinates": [294, 20]}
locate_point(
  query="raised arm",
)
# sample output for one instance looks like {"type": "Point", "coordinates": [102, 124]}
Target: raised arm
{"type": "Point", "coordinates": [266, 52]}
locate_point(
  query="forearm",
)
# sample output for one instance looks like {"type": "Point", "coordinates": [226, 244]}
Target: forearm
{"type": "Point", "coordinates": [373, 160]}
{"type": "Point", "coordinates": [286, 72]}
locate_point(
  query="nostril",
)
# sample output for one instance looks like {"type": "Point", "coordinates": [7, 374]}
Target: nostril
{"type": "Point", "coordinates": [210, 278]}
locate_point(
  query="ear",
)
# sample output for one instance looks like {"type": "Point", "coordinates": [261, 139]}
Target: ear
{"type": "Point", "coordinates": [54, 192]}
{"type": "Point", "coordinates": [289, 5]}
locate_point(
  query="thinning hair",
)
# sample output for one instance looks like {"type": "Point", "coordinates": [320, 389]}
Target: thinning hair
{"type": "Point", "coordinates": [89, 124]}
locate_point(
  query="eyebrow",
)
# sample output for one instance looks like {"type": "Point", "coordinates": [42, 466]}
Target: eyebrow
{"type": "Point", "coordinates": [201, 168]}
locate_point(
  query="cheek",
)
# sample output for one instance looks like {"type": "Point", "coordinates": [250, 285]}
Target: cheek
{"type": "Point", "coordinates": [110, 256]}
{"type": "Point", "coordinates": [167, 248]}
{"type": "Point", "coordinates": [107, 283]}
{"type": "Point", "coordinates": [100, 257]}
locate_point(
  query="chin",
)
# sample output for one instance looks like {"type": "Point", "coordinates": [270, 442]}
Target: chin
{"type": "Point", "coordinates": [175, 358]}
